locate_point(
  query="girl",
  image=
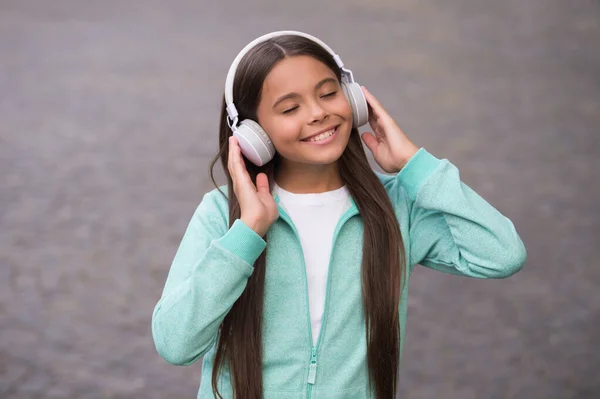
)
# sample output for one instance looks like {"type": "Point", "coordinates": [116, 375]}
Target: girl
{"type": "Point", "coordinates": [292, 284]}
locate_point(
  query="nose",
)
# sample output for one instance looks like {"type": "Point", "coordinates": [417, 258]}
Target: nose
{"type": "Point", "coordinates": [318, 113]}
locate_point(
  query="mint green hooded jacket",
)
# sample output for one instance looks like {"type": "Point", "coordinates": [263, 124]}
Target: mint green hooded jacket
{"type": "Point", "coordinates": [444, 224]}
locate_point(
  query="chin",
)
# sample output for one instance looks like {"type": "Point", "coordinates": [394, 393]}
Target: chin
{"type": "Point", "coordinates": [325, 157]}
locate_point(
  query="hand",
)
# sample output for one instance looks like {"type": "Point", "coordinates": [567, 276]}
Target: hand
{"type": "Point", "coordinates": [257, 206]}
{"type": "Point", "coordinates": [391, 148]}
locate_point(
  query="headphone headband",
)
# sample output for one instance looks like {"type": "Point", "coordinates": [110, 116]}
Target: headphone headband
{"type": "Point", "coordinates": [231, 110]}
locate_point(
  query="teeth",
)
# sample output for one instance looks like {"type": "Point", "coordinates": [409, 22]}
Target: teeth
{"type": "Point", "coordinates": [322, 136]}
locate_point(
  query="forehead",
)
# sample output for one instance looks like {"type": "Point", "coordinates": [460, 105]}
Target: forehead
{"type": "Point", "coordinates": [295, 74]}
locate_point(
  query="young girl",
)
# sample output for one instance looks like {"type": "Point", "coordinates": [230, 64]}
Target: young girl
{"type": "Point", "coordinates": [293, 282]}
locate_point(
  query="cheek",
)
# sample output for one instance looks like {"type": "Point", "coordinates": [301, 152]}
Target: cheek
{"type": "Point", "coordinates": [283, 129]}
{"type": "Point", "coordinates": [343, 108]}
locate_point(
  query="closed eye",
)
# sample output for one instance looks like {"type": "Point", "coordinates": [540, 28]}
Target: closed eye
{"type": "Point", "coordinates": [333, 93]}
{"type": "Point", "coordinates": [290, 110]}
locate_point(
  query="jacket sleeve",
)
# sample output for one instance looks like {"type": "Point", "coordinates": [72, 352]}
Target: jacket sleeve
{"type": "Point", "coordinates": [451, 228]}
{"type": "Point", "coordinates": [208, 274]}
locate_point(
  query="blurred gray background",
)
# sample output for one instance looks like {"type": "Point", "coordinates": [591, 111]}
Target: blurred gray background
{"type": "Point", "coordinates": [108, 117]}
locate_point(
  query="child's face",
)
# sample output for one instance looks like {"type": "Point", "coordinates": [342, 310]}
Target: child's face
{"type": "Point", "coordinates": [300, 97]}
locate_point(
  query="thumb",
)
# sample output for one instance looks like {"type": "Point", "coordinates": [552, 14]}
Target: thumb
{"type": "Point", "coordinates": [262, 183]}
{"type": "Point", "coordinates": [370, 141]}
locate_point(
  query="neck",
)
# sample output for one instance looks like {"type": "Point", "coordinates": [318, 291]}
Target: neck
{"type": "Point", "coordinates": [308, 179]}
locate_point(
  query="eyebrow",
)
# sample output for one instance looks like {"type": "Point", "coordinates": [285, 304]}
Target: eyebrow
{"type": "Point", "coordinates": [294, 95]}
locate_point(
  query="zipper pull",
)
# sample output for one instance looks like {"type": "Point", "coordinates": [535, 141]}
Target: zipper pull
{"type": "Point", "coordinates": [312, 368]}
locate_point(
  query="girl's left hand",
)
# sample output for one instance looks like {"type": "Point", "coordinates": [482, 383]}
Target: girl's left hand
{"type": "Point", "coordinates": [391, 148]}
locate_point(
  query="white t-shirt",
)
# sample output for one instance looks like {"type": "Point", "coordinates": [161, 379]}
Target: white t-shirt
{"type": "Point", "coordinates": [315, 217]}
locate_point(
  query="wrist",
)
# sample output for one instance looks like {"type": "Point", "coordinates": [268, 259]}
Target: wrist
{"type": "Point", "coordinates": [253, 225]}
{"type": "Point", "coordinates": [411, 151]}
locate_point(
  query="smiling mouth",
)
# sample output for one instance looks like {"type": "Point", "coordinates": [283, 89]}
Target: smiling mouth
{"type": "Point", "coordinates": [322, 136]}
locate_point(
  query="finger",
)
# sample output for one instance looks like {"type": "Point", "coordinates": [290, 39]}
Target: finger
{"type": "Point", "coordinates": [377, 126]}
{"type": "Point", "coordinates": [370, 140]}
{"type": "Point", "coordinates": [262, 183]}
{"type": "Point", "coordinates": [239, 167]}
{"type": "Point", "coordinates": [372, 119]}
{"type": "Point", "coordinates": [376, 107]}
{"type": "Point", "coordinates": [230, 158]}
{"type": "Point", "coordinates": [241, 164]}
{"type": "Point", "coordinates": [235, 160]}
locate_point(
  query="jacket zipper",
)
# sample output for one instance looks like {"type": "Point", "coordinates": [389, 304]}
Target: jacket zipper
{"type": "Point", "coordinates": [312, 366]}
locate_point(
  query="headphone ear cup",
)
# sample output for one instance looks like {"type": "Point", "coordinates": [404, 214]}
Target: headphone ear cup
{"type": "Point", "coordinates": [254, 142]}
{"type": "Point", "coordinates": [358, 102]}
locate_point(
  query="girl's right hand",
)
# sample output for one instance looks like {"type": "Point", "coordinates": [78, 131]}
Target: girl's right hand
{"type": "Point", "coordinates": [257, 206]}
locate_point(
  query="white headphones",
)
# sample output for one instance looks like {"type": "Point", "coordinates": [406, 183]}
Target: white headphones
{"type": "Point", "coordinates": [254, 141]}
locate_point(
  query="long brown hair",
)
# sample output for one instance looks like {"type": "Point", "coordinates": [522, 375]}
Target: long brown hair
{"type": "Point", "coordinates": [383, 264]}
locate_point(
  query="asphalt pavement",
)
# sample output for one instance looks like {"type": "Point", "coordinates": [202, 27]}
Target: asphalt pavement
{"type": "Point", "coordinates": [108, 118]}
